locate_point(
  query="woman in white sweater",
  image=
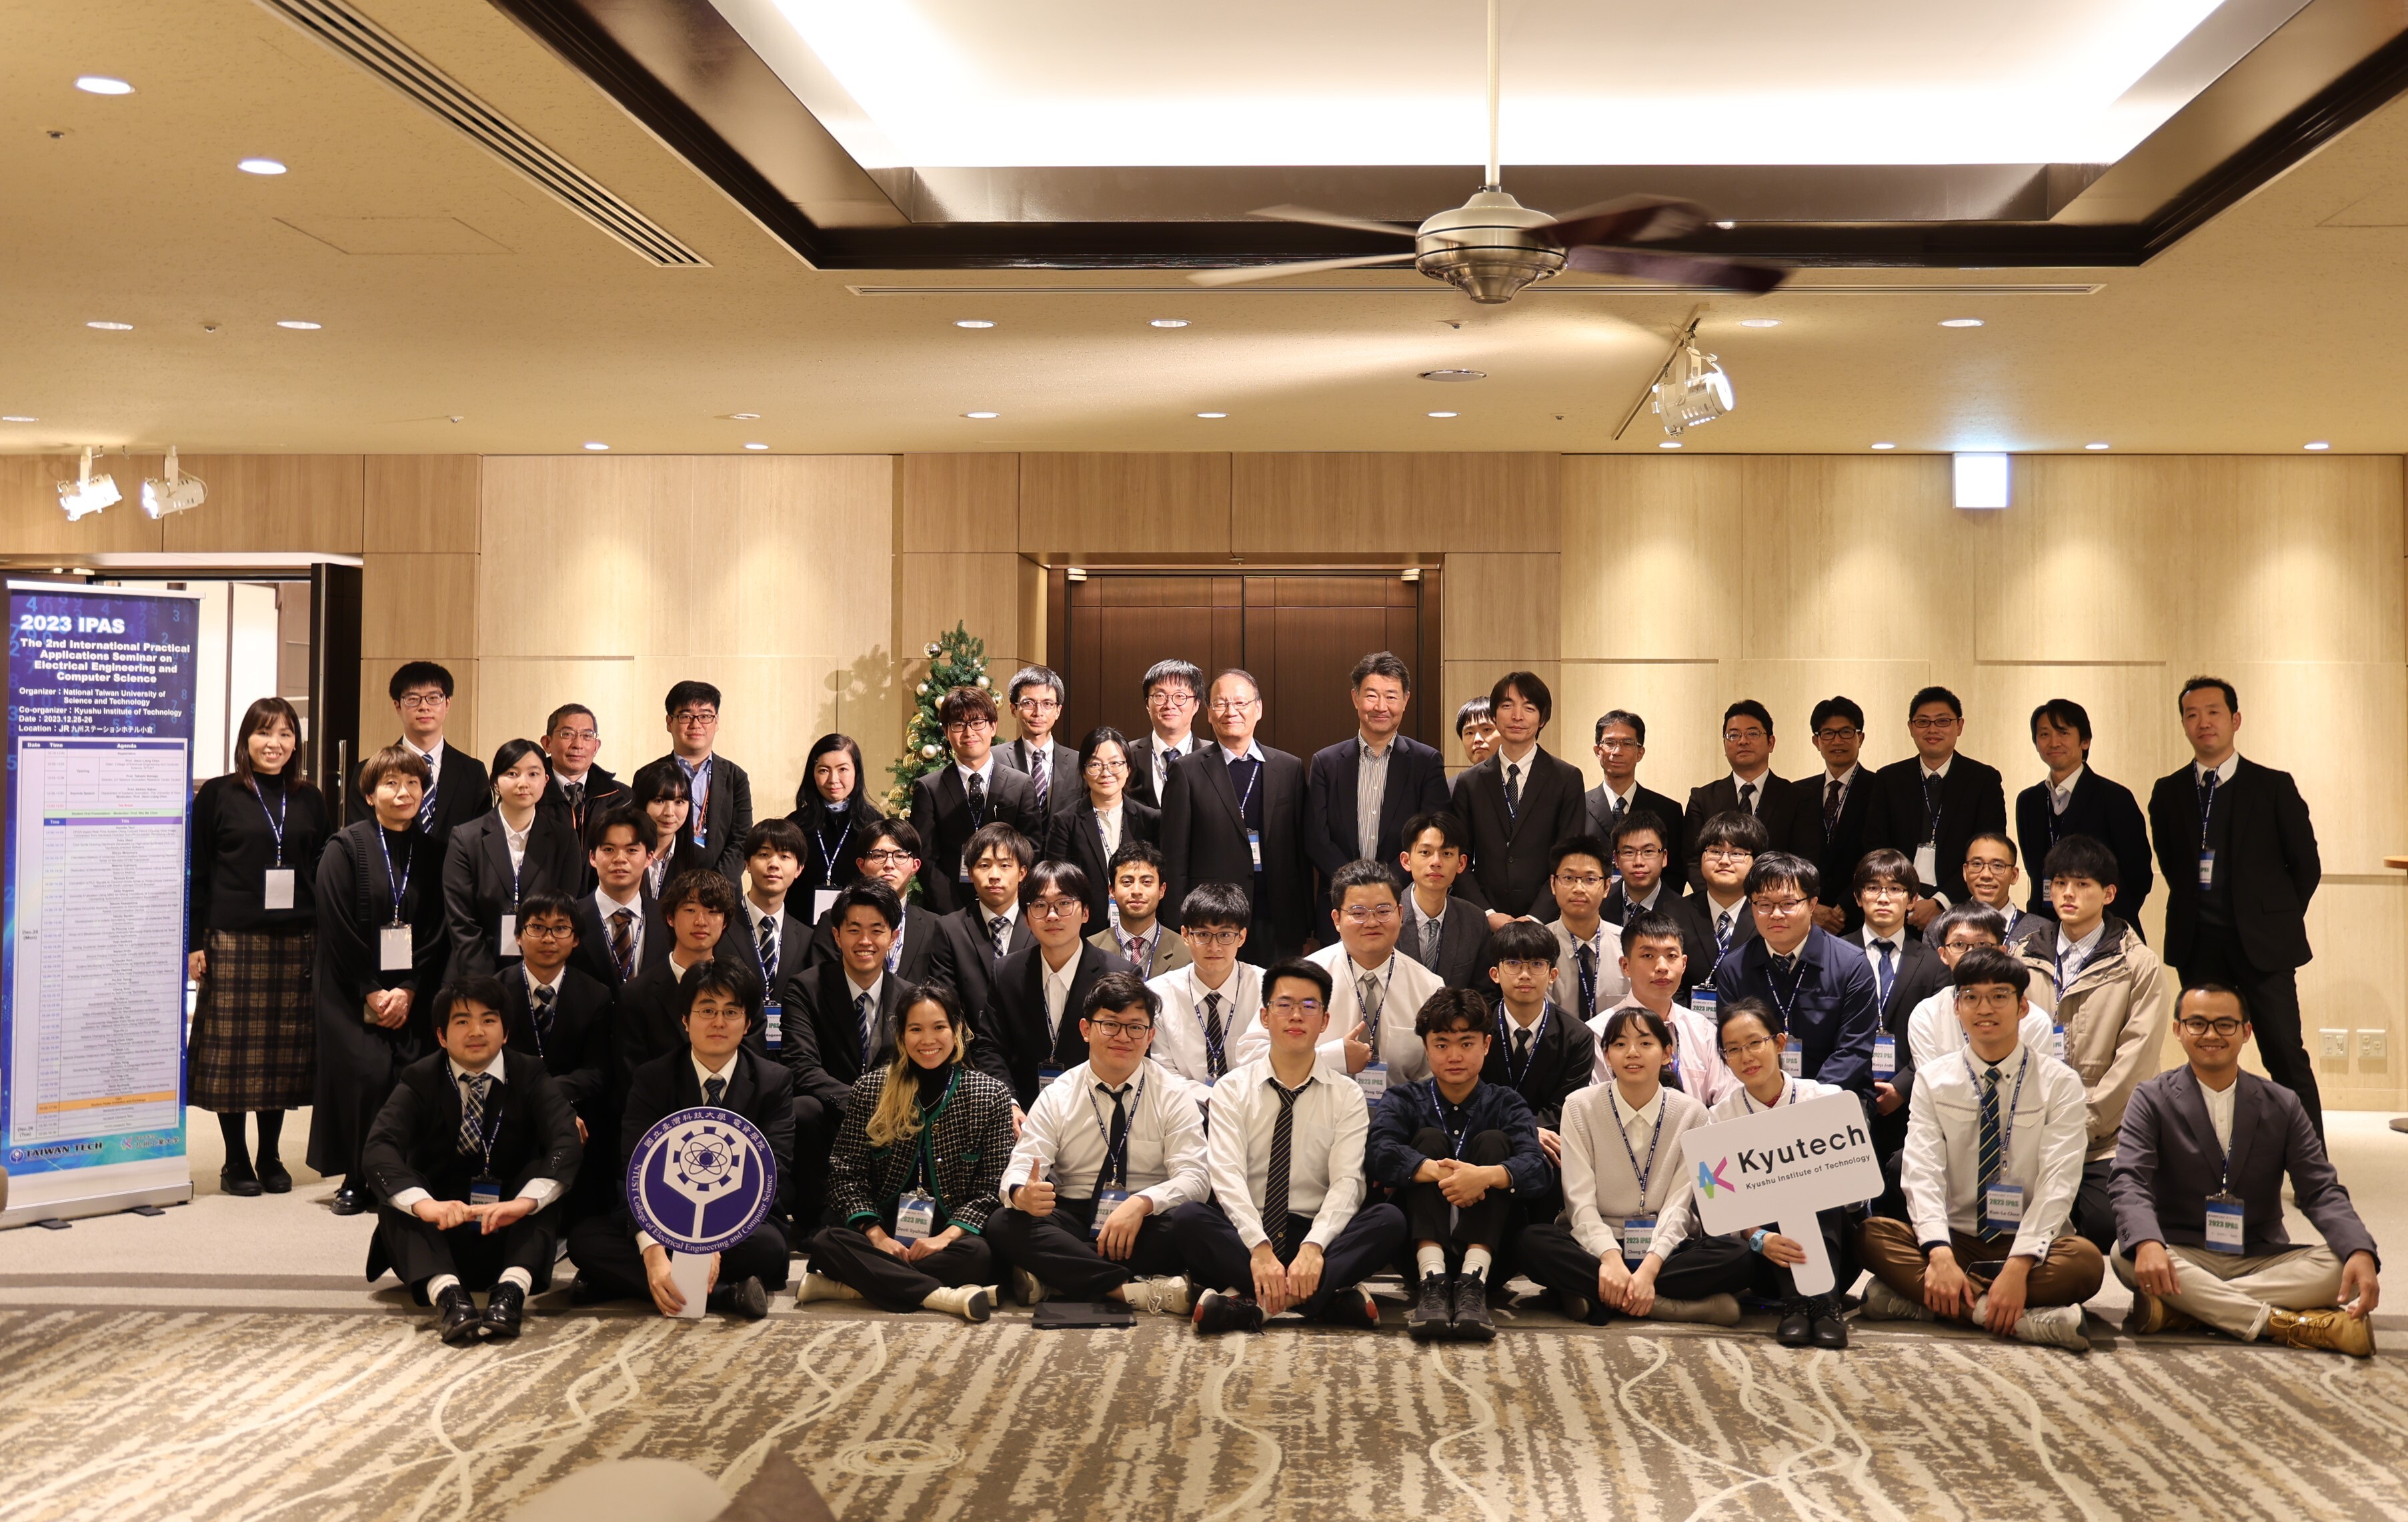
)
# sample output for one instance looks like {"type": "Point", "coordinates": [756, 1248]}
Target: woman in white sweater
{"type": "Point", "coordinates": [1628, 1242]}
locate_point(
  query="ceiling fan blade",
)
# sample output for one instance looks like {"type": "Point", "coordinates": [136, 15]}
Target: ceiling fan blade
{"type": "Point", "coordinates": [1330, 219]}
{"type": "Point", "coordinates": [1309, 267]}
{"type": "Point", "coordinates": [1631, 218]}
{"type": "Point", "coordinates": [1677, 268]}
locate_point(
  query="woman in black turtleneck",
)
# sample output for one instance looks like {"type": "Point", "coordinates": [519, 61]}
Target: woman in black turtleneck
{"type": "Point", "coordinates": [832, 810]}
{"type": "Point", "coordinates": [917, 1169]}
{"type": "Point", "coordinates": [380, 946]}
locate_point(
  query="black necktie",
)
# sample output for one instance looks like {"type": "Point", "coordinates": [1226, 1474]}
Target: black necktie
{"type": "Point", "coordinates": [1275, 1177]}
{"type": "Point", "coordinates": [1522, 1049]}
{"type": "Point", "coordinates": [1887, 968]}
{"type": "Point", "coordinates": [1621, 807]}
{"type": "Point", "coordinates": [1514, 791]}
{"type": "Point", "coordinates": [714, 1088]}
{"type": "Point", "coordinates": [978, 799]}
{"type": "Point", "coordinates": [541, 1007]}
{"type": "Point", "coordinates": [1216, 1059]}
{"type": "Point", "coordinates": [1747, 798]}
{"type": "Point", "coordinates": [1831, 794]}
{"type": "Point", "coordinates": [1930, 810]}
{"type": "Point", "coordinates": [1116, 1168]}
{"type": "Point", "coordinates": [1587, 958]}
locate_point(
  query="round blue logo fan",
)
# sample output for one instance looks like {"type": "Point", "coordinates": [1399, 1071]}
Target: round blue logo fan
{"type": "Point", "coordinates": [702, 1180]}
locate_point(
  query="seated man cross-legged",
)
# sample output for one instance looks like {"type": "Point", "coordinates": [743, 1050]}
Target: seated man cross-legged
{"type": "Point", "coordinates": [1458, 1155]}
{"type": "Point", "coordinates": [1109, 1149]}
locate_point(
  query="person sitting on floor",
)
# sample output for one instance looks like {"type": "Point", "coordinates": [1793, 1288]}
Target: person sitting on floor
{"type": "Point", "coordinates": [1631, 1244]}
{"type": "Point", "coordinates": [913, 1180]}
{"type": "Point", "coordinates": [1452, 1147]}
{"type": "Point", "coordinates": [472, 1156]}
{"type": "Point", "coordinates": [1994, 1145]}
{"type": "Point", "coordinates": [1756, 1050]}
{"type": "Point", "coordinates": [2198, 1186]}
{"type": "Point", "coordinates": [1110, 1149]}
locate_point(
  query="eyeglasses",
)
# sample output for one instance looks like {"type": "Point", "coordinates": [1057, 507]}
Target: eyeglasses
{"type": "Point", "coordinates": [1838, 731]}
{"type": "Point", "coordinates": [888, 855]}
{"type": "Point", "coordinates": [1890, 890]}
{"type": "Point", "coordinates": [1106, 766]}
{"type": "Point", "coordinates": [696, 715]}
{"type": "Point", "coordinates": [1169, 697]}
{"type": "Point", "coordinates": [1373, 914]}
{"type": "Point", "coordinates": [1050, 908]}
{"type": "Point", "coordinates": [1639, 853]}
{"type": "Point", "coordinates": [1036, 705]}
{"type": "Point", "coordinates": [1727, 853]}
{"type": "Point", "coordinates": [1740, 736]}
{"type": "Point", "coordinates": [1927, 723]}
{"type": "Point", "coordinates": [1118, 1029]}
{"type": "Point", "coordinates": [1747, 1049]}
{"type": "Point", "coordinates": [1213, 937]}
{"type": "Point", "coordinates": [1586, 879]}
{"type": "Point", "coordinates": [1777, 906]}
{"type": "Point", "coordinates": [2193, 1026]}
{"type": "Point", "coordinates": [1533, 969]}
{"type": "Point", "coordinates": [963, 726]}
{"type": "Point", "coordinates": [1289, 1006]}
{"type": "Point", "coordinates": [1232, 706]}
{"type": "Point", "coordinates": [418, 702]}
{"type": "Point", "coordinates": [1986, 866]}
{"type": "Point", "coordinates": [575, 736]}
{"type": "Point", "coordinates": [545, 933]}
{"type": "Point", "coordinates": [1620, 745]}
{"type": "Point", "coordinates": [1953, 943]}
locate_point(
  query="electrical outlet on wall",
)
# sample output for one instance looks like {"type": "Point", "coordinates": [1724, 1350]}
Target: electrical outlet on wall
{"type": "Point", "coordinates": [2370, 1046]}
{"type": "Point", "coordinates": [2336, 1044]}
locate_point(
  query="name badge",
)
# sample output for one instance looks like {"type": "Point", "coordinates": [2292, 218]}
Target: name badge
{"type": "Point", "coordinates": [2207, 869]}
{"type": "Point", "coordinates": [1255, 844]}
{"type": "Point", "coordinates": [1927, 864]}
{"type": "Point", "coordinates": [1107, 1201]}
{"type": "Point", "coordinates": [1638, 1235]}
{"type": "Point", "coordinates": [915, 1217]}
{"type": "Point", "coordinates": [1373, 1079]}
{"type": "Point", "coordinates": [2224, 1224]}
{"type": "Point", "coordinates": [1706, 1001]}
{"type": "Point", "coordinates": [1885, 1057]}
{"type": "Point", "coordinates": [773, 1025]}
{"type": "Point", "coordinates": [276, 892]}
{"type": "Point", "coordinates": [1045, 1076]}
{"type": "Point", "coordinates": [2056, 1042]}
{"type": "Point", "coordinates": [2002, 1205]}
{"type": "Point", "coordinates": [822, 898]}
{"type": "Point", "coordinates": [485, 1191]}
{"type": "Point", "coordinates": [392, 948]}
{"type": "Point", "coordinates": [509, 935]}
{"type": "Point", "coordinates": [1793, 1063]}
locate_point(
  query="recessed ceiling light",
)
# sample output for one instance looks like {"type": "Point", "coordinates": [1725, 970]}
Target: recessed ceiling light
{"type": "Point", "coordinates": [297, 325]}
{"type": "Point", "coordinates": [982, 415]}
{"type": "Point", "coordinates": [2096, 445]}
{"type": "Point", "coordinates": [1669, 444]}
{"type": "Point", "coordinates": [1885, 445]}
{"type": "Point", "coordinates": [1211, 415]}
{"type": "Point", "coordinates": [741, 417]}
{"type": "Point", "coordinates": [111, 327]}
{"type": "Point", "coordinates": [1444, 414]}
{"type": "Point", "coordinates": [757, 446]}
{"type": "Point", "coordinates": [1168, 323]}
{"type": "Point", "coordinates": [19, 420]}
{"type": "Point", "coordinates": [260, 166]}
{"type": "Point", "coordinates": [101, 84]}
{"type": "Point", "coordinates": [597, 448]}
{"type": "Point", "coordinates": [2319, 443]}
{"type": "Point", "coordinates": [1454, 375]}
{"type": "Point", "coordinates": [1759, 322]}
{"type": "Point", "coordinates": [1726, 226]}
{"type": "Point", "coordinates": [1960, 322]}
{"type": "Point", "coordinates": [973, 323]}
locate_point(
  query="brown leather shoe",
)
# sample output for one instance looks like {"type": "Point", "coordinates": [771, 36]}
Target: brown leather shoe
{"type": "Point", "coordinates": [2331, 1330]}
{"type": "Point", "coordinates": [2150, 1314]}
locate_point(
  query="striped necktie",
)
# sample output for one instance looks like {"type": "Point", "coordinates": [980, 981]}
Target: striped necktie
{"type": "Point", "coordinates": [473, 1090]}
{"type": "Point", "coordinates": [1993, 1155]}
{"type": "Point", "coordinates": [1216, 1056]}
{"type": "Point", "coordinates": [1041, 774]}
{"type": "Point", "coordinates": [1275, 1178]}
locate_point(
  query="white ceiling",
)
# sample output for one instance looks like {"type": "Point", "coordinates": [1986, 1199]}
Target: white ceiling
{"type": "Point", "coordinates": [962, 84]}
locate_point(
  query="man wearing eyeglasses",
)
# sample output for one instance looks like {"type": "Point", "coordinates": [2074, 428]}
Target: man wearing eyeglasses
{"type": "Point", "coordinates": [953, 803]}
{"type": "Point", "coordinates": [1033, 1024]}
{"type": "Point", "coordinates": [722, 793]}
{"type": "Point", "coordinates": [1819, 986]}
{"type": "Point", "coordinates": [1840, 799]}
{"type": "Point", "coordinates": [1931, 806]}
{"type": "Point", "coordinates": [459, 791]}
{"type": "Point", "coordinates": [890, 854]}
{"type": "Point", "coordinates": [1375, 993]}
{"type": "Point", "coordinates": [2198, 1186]}
{"type": "Point", "coordinates": [1621, 746]}
{"type": "Point", "coordinates": [1990, 878]}
{"type": "Point", "coordinates": [1038, 696]}
{"type": "Point", "coordinates": [1752, 788]}
{"type": "Point", "coordinates": [578, 792]}
{"type": "Point", "coordinates": [1175, 692]}
{"type": "Point", "coordinates": [1107, 1154]}
{"type": "Point", "coordinates": [1234, 814]}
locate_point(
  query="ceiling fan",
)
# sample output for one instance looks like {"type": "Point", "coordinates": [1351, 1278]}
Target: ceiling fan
{"type": "Point", "coordinates": [1492, 246]}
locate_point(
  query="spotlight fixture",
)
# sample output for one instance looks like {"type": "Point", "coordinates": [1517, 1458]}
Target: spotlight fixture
{"type": "Point", "coordinates": [2096, 445]}
{"type": "Point", "coordinates": [981, 416]}
{"type": "Point", "coordinates": [973, 323]}
{"type": "Point", "coordinates": [1168, 323]}
{"type": "Point", "coordinates": [1445, 414]}
{"type": "Point", "coordinates": [297, 325]}
{"type": "Point", "coordinates": [1692, 389]}
{"type": "Point", "coordinates": [1759, 322]}
{"type": "Point", "coordinates": [1982, 480]}
{"type": "Point", "coordinates": [177, 493]}
{"type": "Point", "coordinates": [1885, 445]}
{"type": "Point", "coordinates": [101, 84]}
{"type": "Point", "coordinates": [111, 327]}
{"type": "Point", "coordinates": [595, 446]}
{"type": "Point", "coordinates": [1960, 322]}
{"type": "Point", "coordinates": [87, 493]}
{"type": "Point", "coordinates": [260, 166]}
{"type": "Point", "coordinates": [1455, 376]}
{"type": "Point", "coordinates": [2319, 443]}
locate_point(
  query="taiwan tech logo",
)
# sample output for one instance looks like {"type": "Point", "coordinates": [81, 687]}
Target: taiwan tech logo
{"type": "Point", "coordinates": [1711, 1180]}
{"type": "Point", "coordinates": [702, 1180]}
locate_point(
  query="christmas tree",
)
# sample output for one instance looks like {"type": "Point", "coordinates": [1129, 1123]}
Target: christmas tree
{"type": "Point", "coordinates": [954, 660]}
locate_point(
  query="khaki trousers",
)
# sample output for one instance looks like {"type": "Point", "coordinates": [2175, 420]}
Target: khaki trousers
{"type": "Point", "coordinates": [2069, 1274]}
{"type": "Point", "coordinates": [2235, 1294]}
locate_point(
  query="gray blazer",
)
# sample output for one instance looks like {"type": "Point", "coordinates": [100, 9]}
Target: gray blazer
{"type": "Point", "coordinates": [2166, 1164]}
{"type": "Point", "coordinates": [1461, 940]}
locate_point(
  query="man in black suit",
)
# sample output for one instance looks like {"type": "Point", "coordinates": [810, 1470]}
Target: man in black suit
{"type": "Point", "coordinates": [780, 943]}
{"type": "Point", "coordinates": [471, 1157]}
{"type": "Point", "coordinates": [2239, 855]}
{"type": "Point", "coordinates": [1931, 807]}
{"type": "Point", "coordinates": [459, 790]}
{"type": "Point", "coordinates": [578, 792]}
{"type": "Point", "coordinates": [1751, 788]}
{"type": "Point", "coordinates": [1444, 933]}
{"type": "Point", "coordinates": [1842, 798]}
{"type": "Point", "coordinates": [890, 854]}
{"type": "Point", "coordinates": [1543, 1051]}
{"type": "Point", "coordinates": [1039, 991]}
{"type": "Point", "coordinates": [2077, 800]}
{"type": "Point", "coordinates": [840, 1019]}
{"type": "Point", "coordinates": [974, 790]}
{"type": "Point", "coordinates": [1621, 745]}
{"type": "Point", "coordinates": [973, 940]}
{"type": "Point", "coordinates": [698, 906]}
{"type": "Point", "coordinates": [1359, 792]}
{"type": "Point", "coordinates": [562, 1018]}
{"type": "Point", "coordinates": [1716, 919]}
{"type": "Point", "coordinates": [723, 794]}
{"type": "Point", "coordinates": [620, 931]}
{"type": "Point", "coordinates": [1038, 696]}
{"type": "Point", "coordinates": [712, 1066]}
{"type": "Point", "coordinates": [1516, 805]}
{"type": "Point", "coordinates": [1234, 814]}
{"type": "Point", "coordinates": [1174, 690]}
{"type": "Point", "coordinates": [1906, 972]}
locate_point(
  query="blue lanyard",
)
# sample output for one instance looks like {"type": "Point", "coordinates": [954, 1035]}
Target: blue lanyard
{"type": "Point", "coordinates": [1248, 796]}
{"type": "Point", "coordinates": [1452, 1135]}
{"type": "Point", "coordinates": [2007, 1121]}
{"type": "Point", "coordinates": [697, 784]}
{"type": "Point", "coordinates": [275, 820]}
{"type": "Point", "coordinates": [827, 855]}
{"type": "Point", "coordinates": [1795, 984]}
{"type": "Point", "coordinates": [1538, 1034]}
{"type": "Point", "coordinates": [1644, 1173]}
{"type": "Point", "coordinates": [1788, 1096]}
{"type": "Point", "coordinates": [402, 886]}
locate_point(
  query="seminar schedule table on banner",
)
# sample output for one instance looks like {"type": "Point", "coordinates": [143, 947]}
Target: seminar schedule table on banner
{"type": "Point", "coordinates": [91, 1000]}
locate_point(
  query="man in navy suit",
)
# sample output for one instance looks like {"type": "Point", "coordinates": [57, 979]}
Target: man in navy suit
{"type": "Point", "coordinates": [2077, 800]}
{"type": "Point", "coordinates": [1621, 745]}
{"type": "Point", "coordinates": [1820, 986]}
{"type": "Point", "coordinates": [1359, 792]}
{"type": "Point", "coordinates": [2239, 855]}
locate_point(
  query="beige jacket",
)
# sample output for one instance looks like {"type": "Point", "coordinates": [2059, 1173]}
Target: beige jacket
{"type": "Point", "coordinates": [2114, 1012]}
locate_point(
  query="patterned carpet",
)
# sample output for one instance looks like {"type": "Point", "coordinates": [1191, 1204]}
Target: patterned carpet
{"type": "Point", "coordinates": [110, 1412]}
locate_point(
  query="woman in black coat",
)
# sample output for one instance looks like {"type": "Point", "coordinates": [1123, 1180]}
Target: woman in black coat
{"type": "Point", "coordinates": [832, 810]}
{"type": "Point", "coordinates": [500, 858]}
{"type": "Point", "coordinates": [1086, 834]}
{"type": "Point", "coordinates": [664, 793]}
{"type": "Point", "coordinates": [380, 950]}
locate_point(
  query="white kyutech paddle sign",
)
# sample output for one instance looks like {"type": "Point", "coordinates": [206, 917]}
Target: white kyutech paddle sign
{"type": "Point", "coordinates": [1778, 1167]}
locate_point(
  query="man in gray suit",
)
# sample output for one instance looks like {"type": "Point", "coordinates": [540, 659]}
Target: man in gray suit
{"type": "Point", "coordinates": [2197, 1187]}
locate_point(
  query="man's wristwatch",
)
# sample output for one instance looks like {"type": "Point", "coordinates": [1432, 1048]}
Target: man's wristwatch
{"type": "Point", "coordinates": [1755, 1240]}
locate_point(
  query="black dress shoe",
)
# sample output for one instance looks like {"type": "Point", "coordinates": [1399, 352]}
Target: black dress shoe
{"type": "Point", "coordinates": [351, 1199]}
{"type": "Point", "coordinates": [584, 1291]}
{"type": "Point", "coordinates": [745, 1298]}
{"type": "Point", "coordinates": [274, 1176]}
{"type": "Point", "coordinates": [1831, 1326]}
{"type": "Point", "coordinates": [457, 1314]}
{"type": "Point", "coordinates": [1433, 1312]}
{"type": "Point", "coordinates": [503, 1308]}
{"type": "Point", "coordinates": [1471, 1322]}
{"type": "Point", "coordinates": [238, 1181]}
{"type": "Point", "coordinates": [1797, 1328]}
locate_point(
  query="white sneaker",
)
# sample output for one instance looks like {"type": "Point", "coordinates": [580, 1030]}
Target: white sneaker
{"type": "Point", "coordinates": [1713, 1310]}
{"type": "Point", "coordinates": [2056, 1326]}
{"type": "Point", "coordinates": [970, 1302]}
{"type": "Point", "coordinates": [1163, 1296]}
{"type": "Point", "coordinates": [820, 1287]}
{"type": "Point", "coordinates": [1883, 1304]}
{"type": "Point", "coordinates": [1027, 1288]}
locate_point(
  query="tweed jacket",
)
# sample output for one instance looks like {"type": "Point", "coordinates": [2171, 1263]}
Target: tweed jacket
{"type": "Point", "coordinates": [967, 1141]}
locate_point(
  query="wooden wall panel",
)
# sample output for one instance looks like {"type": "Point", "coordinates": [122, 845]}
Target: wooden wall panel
{"type": "Point", "coordinates": [422, 503]}
{"type": "Point", "coordinates": [1566, 736]}
{"type": "Point", "coordinates": [1124, 504]}
{"type": "Point", "coordinates": [964, 502]}
{"type": "Point", "coordinates": [1650, 551]}
{"type": "Point", "coordinates": [1502, 608]}
{"type": "Point", "coordinates": [413, 605]}
{"type": "Point", "coordinates": [30, 521]}
{"type": "Point", "coordinates": [274, 502]}
{"type": "Point", "coordinates": [1393, 505]}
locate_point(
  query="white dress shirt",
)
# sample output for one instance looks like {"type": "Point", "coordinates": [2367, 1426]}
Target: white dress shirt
{"type": "Point", "coordinates": [877, 992]}
{"type": "Point", "coordinates": [607, 906]}
{"type": "Point", "coordinates": [1739, 1101]}
{"type": "Point", "coordinates": [2062, 793]}
{"type": "Point", "coordinates": [985, 920]}
{"type": "Point", "coordinates": [1752, 803]}
{"type": "Point", "coordinates": [1698, 1049]}
{"type": "Point", "coordinates": [1847, 781]}
{"type": "Point", "coordinates": [1326, 1140]}
{"type": "Point", "coordinates": [1404, 984]}
{"type": "Point", "coordinates": [516, 841]}
{"type": "Point", "coordinates": [1600, 1188]}
{"type": "Point", "coordinates": [1057, 981]}
{"type": "Point", "coordinates": [1933, 1030]}
{"type": "Point", "coordinates": [544, 1190]}
{"type": "Point", "coordinates": [1162, 753]}
{"type": "Point", "coordinates": [1606, 941]}
{"type": "Point", "coordinates": [1867, 935]}
{"type": "Point", "coordinates": [1179, 1029]}
{"type": "Point", "coordinates": [1941, 1168]}
{"type": "Point", "coordinates": [754, 917]}
{"type": "Point", "coordinates": [2224, 769]}
{"type": "Point", "coordinates": [2219, 1111]}
{"type": "Point", "coordinates": [1069, 1127]}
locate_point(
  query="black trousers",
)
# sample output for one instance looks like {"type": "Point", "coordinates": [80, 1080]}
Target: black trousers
{"type": "Point", "coordinates": [418, 1252]}
{"type": "Point", "coordinates": [604, 1249]}
{"type": "Point", "coordinates": [1218, 1259]}
{"type": "Point", "coordinates": [1056, 1248]}
{"type": "Point", "coordinates": [816, 1123]}
{"type": "Point", "coordinates": [2094, 1213]}
{"type": "Point", "coordinates": [1489, 1224]}
{"type": "Point", "coordinates": [1701, 1266]}
{"type": "Point", "coordinates": [2214, 957]}
{"type": "Point", "coordinates": [889, 1283]}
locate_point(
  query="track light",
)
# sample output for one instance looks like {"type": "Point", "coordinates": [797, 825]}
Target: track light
{"type": "Point", "coordinates": [87, 493]}
{"type": "Point", "coordinates": [1692, 389]}
{"type": "Point", "coordinates": [177, 493]}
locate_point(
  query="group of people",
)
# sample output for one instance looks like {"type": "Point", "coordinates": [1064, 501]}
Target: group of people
{"type": "Point", "coordinates": [1211, 1030]}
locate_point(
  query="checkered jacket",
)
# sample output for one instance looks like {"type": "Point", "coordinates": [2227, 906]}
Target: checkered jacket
{"type": "Point", "coordinates": [968, 1139]}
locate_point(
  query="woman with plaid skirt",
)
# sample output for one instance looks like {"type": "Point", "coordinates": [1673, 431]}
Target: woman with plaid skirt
{"type": "Point", "coordinates": [251, 929]}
